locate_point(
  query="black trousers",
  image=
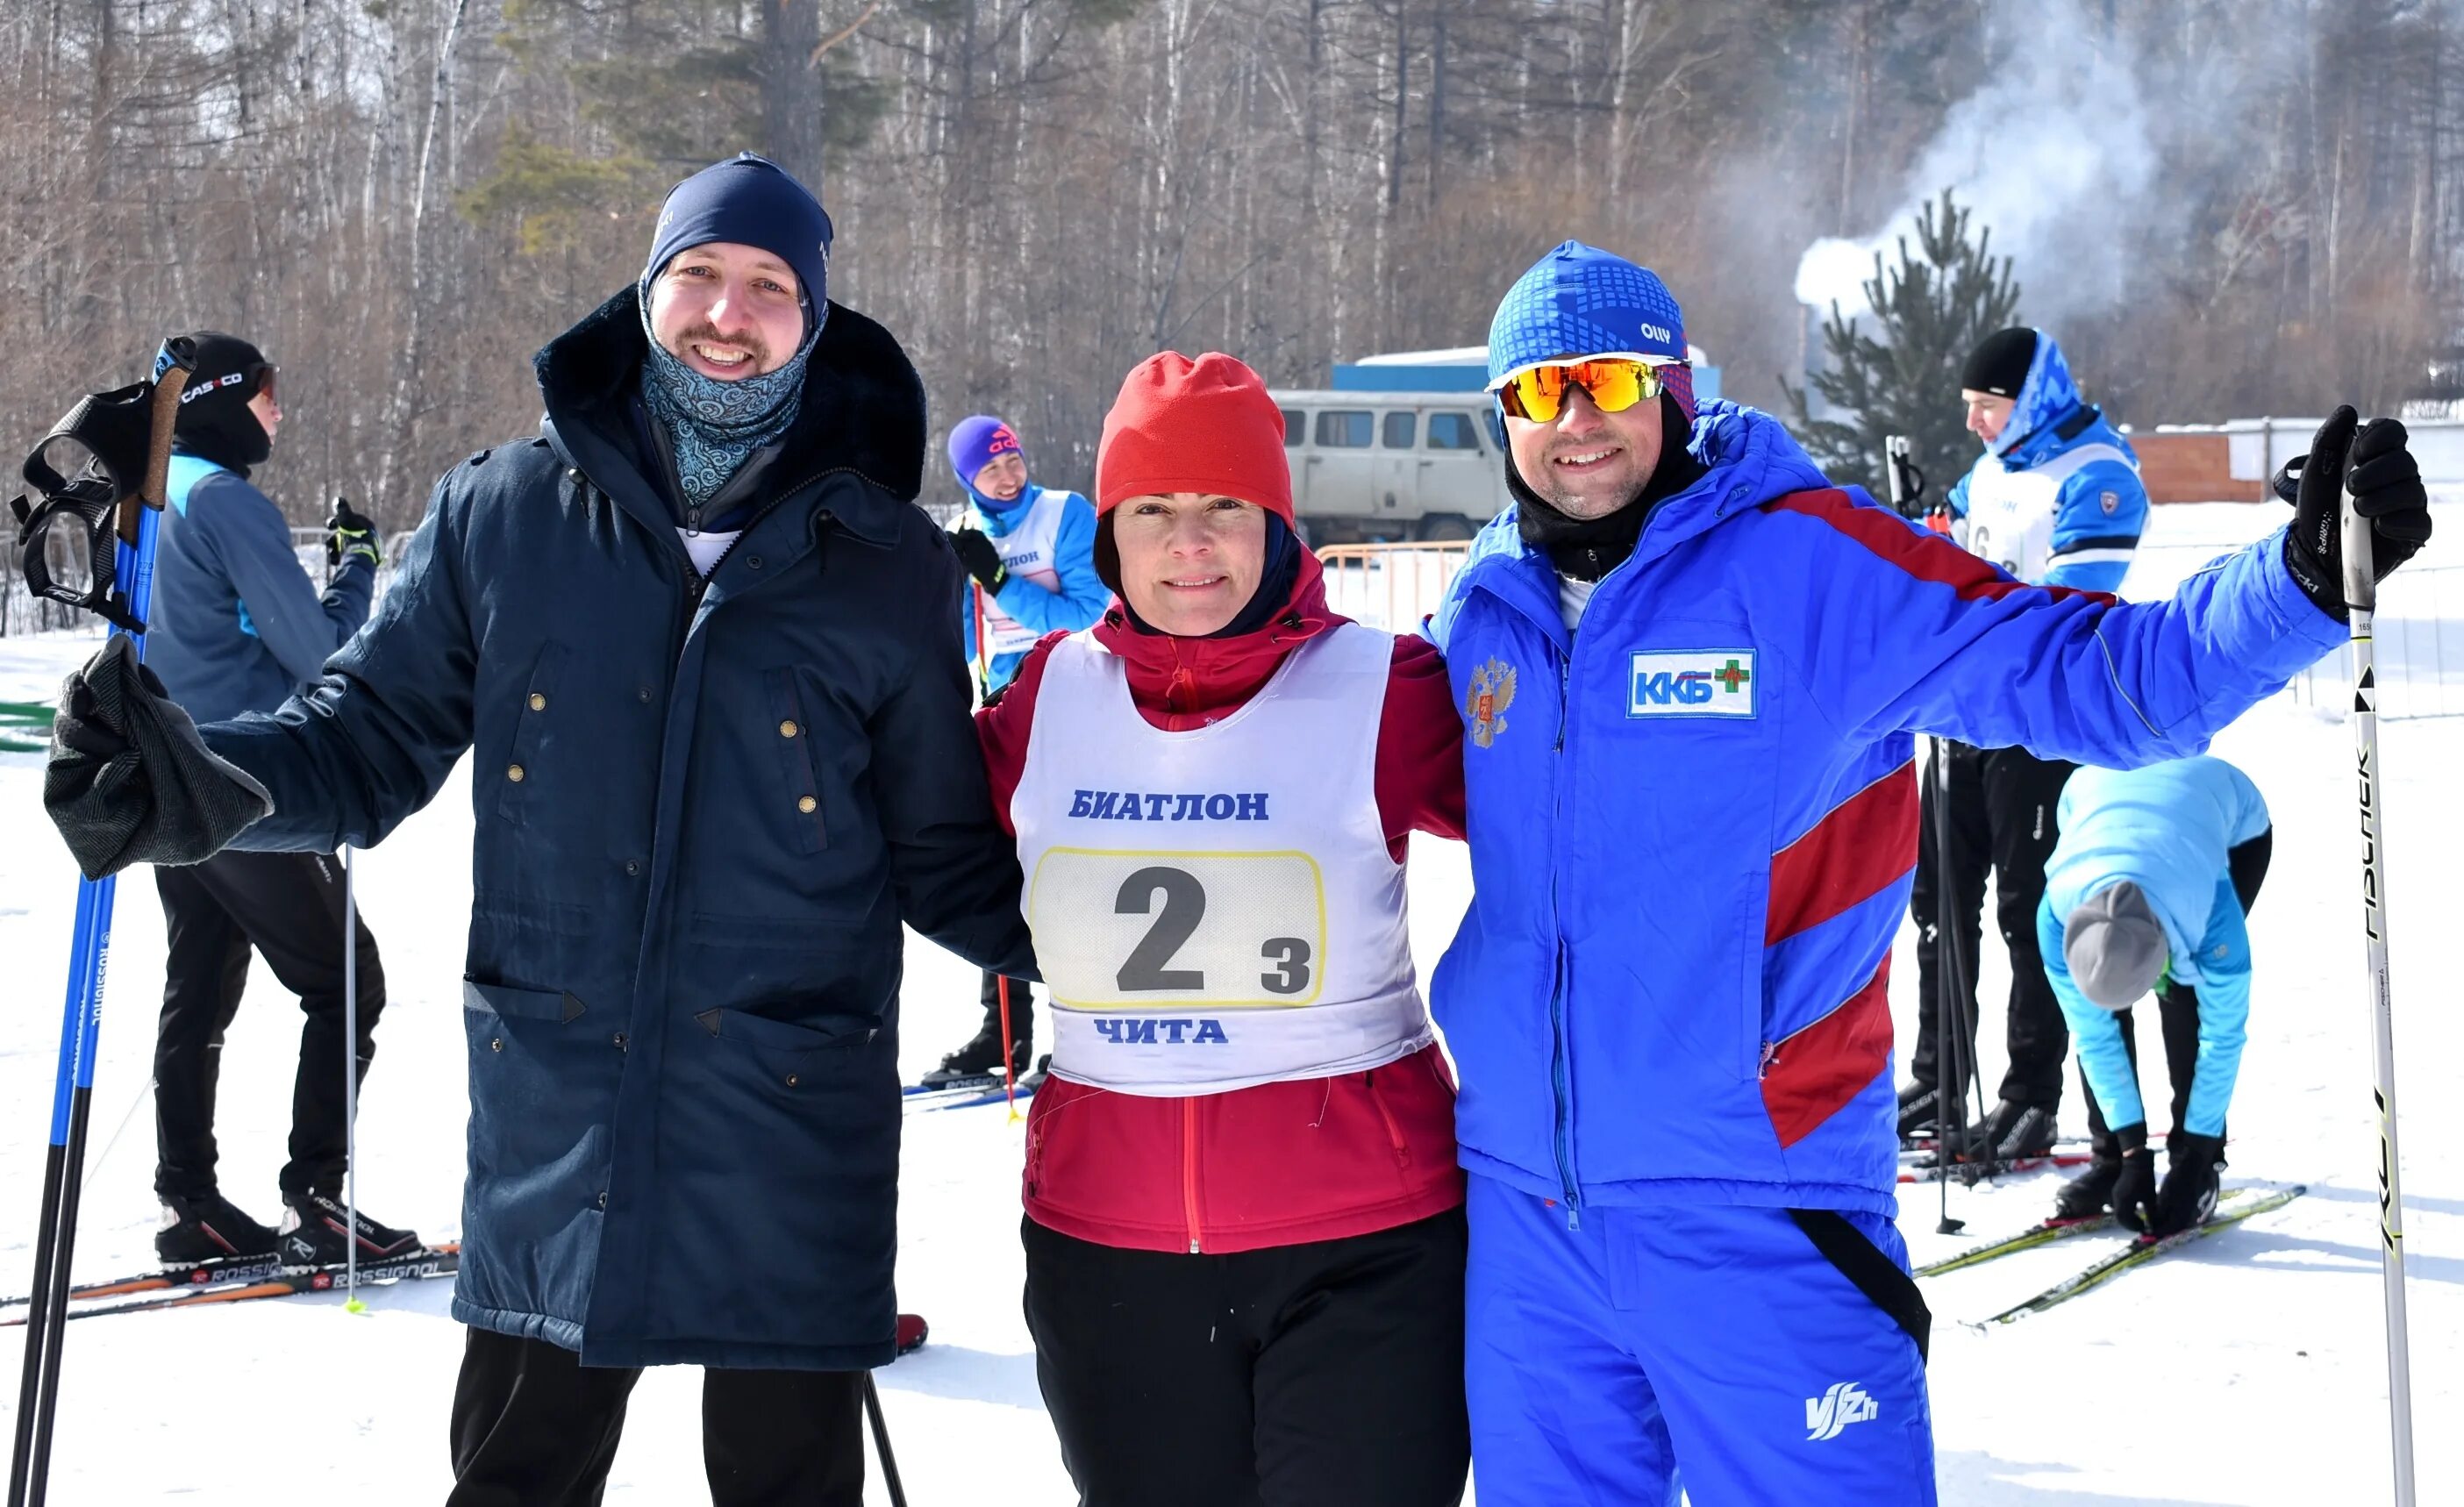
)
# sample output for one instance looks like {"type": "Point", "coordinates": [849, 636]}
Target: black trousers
{"type": "Point", "coordinates": [533, 1426]}
{"type": "Point", "coordinates": [1021, 1007]}
{"type": "Point", "coordinates": [2177, 1007]}
{"type": "Point", "coordinates": [288, 907]}
{"type": "Point", "coordinates": [1328, 1374]}
{"type": "Point", "coordinates": [1999, 817]}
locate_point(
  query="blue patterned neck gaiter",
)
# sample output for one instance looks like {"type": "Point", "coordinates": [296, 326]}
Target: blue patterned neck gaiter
{"type": "Point", "coordinates": [713, 425]}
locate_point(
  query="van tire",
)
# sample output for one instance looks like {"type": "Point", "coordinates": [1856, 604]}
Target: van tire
{"type": "Point", "coordinates": [1447, 526]}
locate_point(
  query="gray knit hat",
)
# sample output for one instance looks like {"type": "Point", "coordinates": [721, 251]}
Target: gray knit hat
{"type": "Point", "coordinates": [2115, 947]}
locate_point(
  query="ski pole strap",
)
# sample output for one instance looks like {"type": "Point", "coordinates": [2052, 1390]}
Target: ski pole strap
{"type": "Point", "coordinates": [1876, 1276]}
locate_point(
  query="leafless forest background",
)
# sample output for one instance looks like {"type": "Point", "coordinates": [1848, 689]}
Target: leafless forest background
{"type": "Point", "coordinates": [401, 199]}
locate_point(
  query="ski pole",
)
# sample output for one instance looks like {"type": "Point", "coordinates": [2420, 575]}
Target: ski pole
{"type": "Point", "coordinates": [2360, 600]}
{"type": "Point", "coordinates": [351, 1303]}
{"type": "Point", "coordinates": [139, 511]}
{"type": "Point", "coordinates": [1010, 1057]}
{"type": "Point", "coordinates": [881, 1443]}
{"type": "Point", "coordinates": [1951, 1015]}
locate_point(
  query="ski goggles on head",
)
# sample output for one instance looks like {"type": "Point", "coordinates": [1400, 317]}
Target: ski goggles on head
{"type": "Point", "coordinates": [1616, 382]}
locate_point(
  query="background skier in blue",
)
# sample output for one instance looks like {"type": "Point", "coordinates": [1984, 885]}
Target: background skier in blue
{"type": "Point", "coordinates": [1031, 552]}
{"type": "Point", "coordinates": [2147, 892]}
{"type": "Point", "coordinates": [1690, 672]}
{"type": "Point", "coordinates": [2055, 500]}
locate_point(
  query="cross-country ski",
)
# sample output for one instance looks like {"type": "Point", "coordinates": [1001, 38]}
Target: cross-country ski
{"type": "Point", "coordinates": [2140, 1252]}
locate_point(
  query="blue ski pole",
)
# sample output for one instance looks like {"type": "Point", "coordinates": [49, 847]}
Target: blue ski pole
{"type": "Point", "coordinates": [130, 580]}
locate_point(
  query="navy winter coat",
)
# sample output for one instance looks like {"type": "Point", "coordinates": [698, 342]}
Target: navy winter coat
{"type": "Point", "coordinates": [704, 809]}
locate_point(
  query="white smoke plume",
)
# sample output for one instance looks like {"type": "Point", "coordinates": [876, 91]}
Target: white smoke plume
{"type": "Point", "coordinates": [2056, 154]}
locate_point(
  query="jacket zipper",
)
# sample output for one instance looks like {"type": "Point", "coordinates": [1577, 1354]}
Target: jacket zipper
{"type": "Point", "coordinates": [1189, 1168]}
{"type": "Point", "coordinates": [1560, 1076]}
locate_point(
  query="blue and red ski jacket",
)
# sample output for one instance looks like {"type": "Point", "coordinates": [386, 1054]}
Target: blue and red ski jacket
{"type": "Point", "coordinates": [1693, 822]}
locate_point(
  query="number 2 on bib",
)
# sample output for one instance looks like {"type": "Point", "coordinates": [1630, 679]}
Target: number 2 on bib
{"type": "Point", "coordinates": [1225, 930]}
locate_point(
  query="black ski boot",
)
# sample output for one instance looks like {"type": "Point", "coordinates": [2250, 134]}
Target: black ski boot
{"type": "Point", "coordinates": [1029, 1082]}
{"type": "Point", "coordinates": [1920, 1108]}
{"type": "Point", "coordinates": [209, 1228]}
{"type": "Point", "coordinates": [981, 1060]}
{"type": "Point", "coordinates": [2088, 1194]}
{"type": "Point", "coordinates": [317, 1231]}
{"type": "Point", "coordinates": [2019, 1131]}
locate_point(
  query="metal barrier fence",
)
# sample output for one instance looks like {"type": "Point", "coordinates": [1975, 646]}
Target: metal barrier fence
{"type": "Point", "coordinates": [2418, 655]}
{"type": "Point", "coordinates": [1390, 587]}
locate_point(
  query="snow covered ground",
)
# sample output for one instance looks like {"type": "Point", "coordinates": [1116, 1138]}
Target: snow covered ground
{"type": "Point", "coordinates": [2248, 1369]}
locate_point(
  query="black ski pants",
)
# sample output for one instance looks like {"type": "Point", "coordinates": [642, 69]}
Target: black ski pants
{"type": "Point", "coordinates": [533, 1426]}
{"type": "Point", "coordinates": [1998, 817]}
{"type": "Point", "coordinates": [2177, 1007]}
{"type": "Point", "coordinates": [1328, 1374]}
{"type": "Point", "coordinates": [288, 907]}
{"type": "Point", "coordinates": [1022, 1008]}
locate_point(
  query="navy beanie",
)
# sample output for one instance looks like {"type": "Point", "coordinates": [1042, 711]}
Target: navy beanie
{"type": "Point", "coordinates": [751, 201]}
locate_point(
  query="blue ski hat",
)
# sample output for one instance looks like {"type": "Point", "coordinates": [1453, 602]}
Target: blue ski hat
{"type": "Point", "coordinates": [2044, 398]}
{"type": "Point", "coordinates": [751, 201]}
{"type": "Point", "coordinates": [1579, 301]}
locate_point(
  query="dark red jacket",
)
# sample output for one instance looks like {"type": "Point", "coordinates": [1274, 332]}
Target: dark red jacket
{"type": "Point", "coordinates": [1315, 1158]}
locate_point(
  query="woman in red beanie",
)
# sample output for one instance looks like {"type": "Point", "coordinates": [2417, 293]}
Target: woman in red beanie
{"type": "Point", "coordinates": [1244, 1231]}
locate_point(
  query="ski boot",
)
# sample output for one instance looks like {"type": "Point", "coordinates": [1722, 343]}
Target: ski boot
{"type": "Point", "coordinates": [1920, 1108]}
{"type": "Point", "coordinates": [2019, 1131]}
{"type": "Point", "coordinates": [2088, 1194]}
{"type": "Point", "coordinates": [317, 1231]}
{"type": "Point", "coordinates": [208, 1228]}
{"type": "Point", "coordinates": [912, 1332]}
{"type": "Point", "coordinates": [1029, 1082]}
{"type": "Point", "coordinates": [981, 1060]}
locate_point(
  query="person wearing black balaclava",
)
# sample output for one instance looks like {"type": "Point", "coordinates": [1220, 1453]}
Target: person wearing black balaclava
{"type": "Point", "coordinates": [238, 627]}
{"type": "Point", "coordinates": [704, 650]}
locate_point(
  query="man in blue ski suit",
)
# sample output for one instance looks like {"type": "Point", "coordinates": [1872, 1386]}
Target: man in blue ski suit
{"type": "Point", "coordinates": [1690, 672]}
{"type": "Point", "coordinates": [2148, 890]}
{"type": "Point", "coordinates": [1031, 552]}
{"type": "Point", "coordinates": [2055, 500]}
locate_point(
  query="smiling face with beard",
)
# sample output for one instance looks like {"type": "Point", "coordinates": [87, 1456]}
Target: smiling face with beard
{"type": "Point", "coordinates": [727, 311]}
{"type": "Point", "coordinates": [1585, 463]}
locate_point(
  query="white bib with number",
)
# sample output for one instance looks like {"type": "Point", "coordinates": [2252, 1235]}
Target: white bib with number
{"type": "Point", "coordinates": [1028, 552]}
{"type": "Point", "coordinates": [2010, 513]}
{"type": "Point", "coordinates": [1217, 908]}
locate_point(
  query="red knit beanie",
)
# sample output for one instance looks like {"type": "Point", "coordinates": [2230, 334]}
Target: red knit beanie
{"type": "Point", "coordinates": [1194, 426]}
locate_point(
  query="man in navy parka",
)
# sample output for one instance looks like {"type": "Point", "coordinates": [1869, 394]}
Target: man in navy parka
{"type": "Point", "coordinates": [1690, 671]}
{"type": "Point", "coordinates": [703, 651]}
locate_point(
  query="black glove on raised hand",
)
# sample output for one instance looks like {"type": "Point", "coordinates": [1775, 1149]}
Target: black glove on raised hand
{"type": "Point", "coordinates": [982, 557]}
{"type": "Point", "coordinates": [128, 780]}
{"type": "Point", "coordinates": [2134, 1192]}
{"type": "Point", "coordinates": [2190, 1183]}
{"type": "Point", "coordinates": [2386, 484]}
{"type": "Point", "coordinates": [351, 536]}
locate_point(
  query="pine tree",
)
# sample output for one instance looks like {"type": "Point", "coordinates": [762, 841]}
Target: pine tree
{"type": "Point", "coordinates": [1894, 369]}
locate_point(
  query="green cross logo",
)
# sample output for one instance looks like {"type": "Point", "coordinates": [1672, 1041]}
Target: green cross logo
{"type": "Point", "coordinates": [1732, 676]}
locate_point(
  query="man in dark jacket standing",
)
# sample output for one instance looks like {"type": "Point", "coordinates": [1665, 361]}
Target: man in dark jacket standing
{"type": "Point", "coordinates": [238, 627]}
{"type": "Point", "coordinates": [705, 652]}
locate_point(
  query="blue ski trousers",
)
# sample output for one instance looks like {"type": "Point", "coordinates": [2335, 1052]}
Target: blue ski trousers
{"type": "Point", "coordinates": [1714, 1349]}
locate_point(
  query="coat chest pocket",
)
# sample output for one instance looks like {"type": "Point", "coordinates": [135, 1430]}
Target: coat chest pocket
{"type": "Point", "coordinates": [793, 733]}
{"type": "Point", "coordinates": [533, 732]}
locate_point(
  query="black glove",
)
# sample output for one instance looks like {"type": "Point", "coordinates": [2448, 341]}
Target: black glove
{"type": "Point", "coordinates": [350, 535]}
{"type": "Point", "coordinates": [2190, 1183]}
{"type": "Point", "coordinates": [983, 560]}
{"type": "Point", "coordinates": [2387, 489]}
{"type": "Point", "coordinates": [128, 780]}
{"type": "Point", "coordinates": [2134, 1192]}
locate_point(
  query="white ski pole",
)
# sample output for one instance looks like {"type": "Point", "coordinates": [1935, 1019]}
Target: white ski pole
{"type": "Point", "coordinates": [2360, 600]}
{"type": "Point", "coordinates": [350, 1086]}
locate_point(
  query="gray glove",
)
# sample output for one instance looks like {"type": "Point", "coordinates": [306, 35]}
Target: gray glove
{"type": "Point", "coordinates": [129, 780]}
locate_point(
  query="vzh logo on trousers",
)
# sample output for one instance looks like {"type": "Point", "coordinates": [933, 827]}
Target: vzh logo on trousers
{"type": "Point", "coordinates": [1172, 1030]}
{"type": "Point", "coordinates": [1691, 682]}
{"type": "Point", "coordinates": [1845, 1404]}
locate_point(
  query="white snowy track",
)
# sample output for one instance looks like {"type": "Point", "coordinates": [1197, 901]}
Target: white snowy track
{"type": "Point", "coordinates": [2247, 1370]}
